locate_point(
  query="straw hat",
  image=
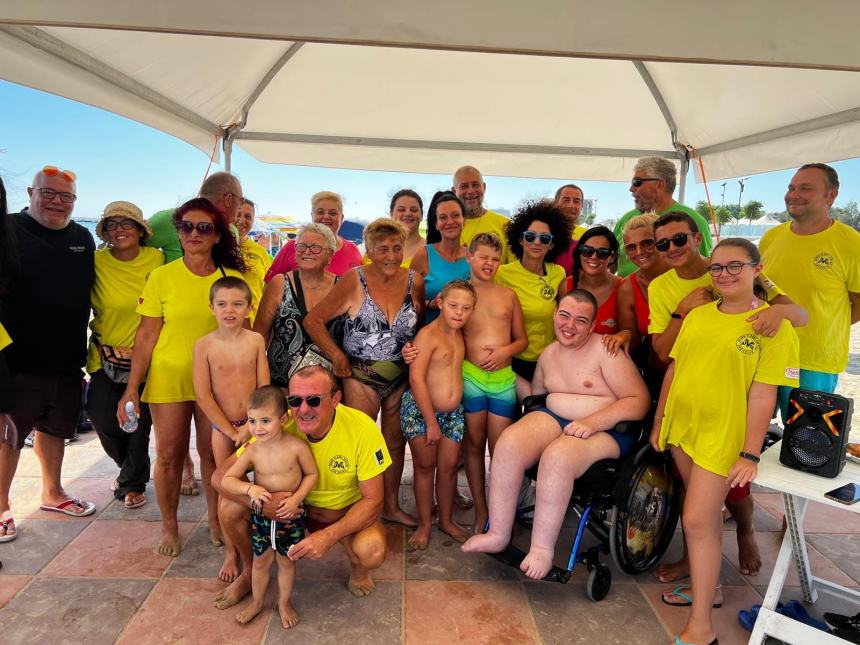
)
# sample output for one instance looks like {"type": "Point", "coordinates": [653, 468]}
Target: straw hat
{"type": "Point", "coordinates": [128, 211]}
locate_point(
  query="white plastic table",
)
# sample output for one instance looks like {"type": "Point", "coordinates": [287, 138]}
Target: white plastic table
{"type": "Point", "coordinates": [798, 489]}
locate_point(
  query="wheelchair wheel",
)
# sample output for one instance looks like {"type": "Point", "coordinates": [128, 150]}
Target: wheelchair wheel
{"type": "Point", "coordinates": [642, 528]}
{"type": "Point", "coordinates": [598, 583]}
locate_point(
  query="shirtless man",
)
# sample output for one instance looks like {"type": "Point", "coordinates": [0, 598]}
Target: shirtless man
{"type": "Point", "coordinates": [588, 393]}
{"type": "Point", "coordinates": [229, 365]}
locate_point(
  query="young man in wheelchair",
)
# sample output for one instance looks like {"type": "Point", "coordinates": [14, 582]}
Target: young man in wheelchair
{"type": "Point", "coordinates": [588, 393]}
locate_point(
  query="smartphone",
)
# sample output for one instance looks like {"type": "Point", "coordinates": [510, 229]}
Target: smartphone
{"type": "Point", "coordinates": [847, 494]}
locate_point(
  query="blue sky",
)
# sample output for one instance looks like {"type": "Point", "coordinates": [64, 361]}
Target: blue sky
{"type": "Point", "coordinates": [116, 158]}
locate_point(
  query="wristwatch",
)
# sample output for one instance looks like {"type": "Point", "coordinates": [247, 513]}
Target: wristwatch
{"type": "Point", "coordinates": [677, 316]}
{"type": "Point", "coordinates": [748, 455]}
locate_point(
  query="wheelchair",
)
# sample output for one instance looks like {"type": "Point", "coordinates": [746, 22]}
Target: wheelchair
{"type": "Point", "coordinates": [632, 505]}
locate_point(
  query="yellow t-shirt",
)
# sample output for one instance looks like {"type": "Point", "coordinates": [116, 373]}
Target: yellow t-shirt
{"type": "Point", "coordinates": [489, 222]}
{"type": "Point", "coordinates": [578, 232]}
{"type": "Point", "coordinates": [259, 262]}
{"type": "Point", "coordinates": [537, 296]}
{"type": "Point", "coordinates": [717, 357]}
{"type": "Point", "coordinates": [666, 291]}
{"type": "Point", "coordinates": [818, 271]}
{"type": "Point", "coordinates": [352, 451]}
{"type": "Point", "coordinates": [5, 340]}
{"type": "Point", "coordinates": [181, 299]}
{"type": "Point", "coordinates": [114, 297]}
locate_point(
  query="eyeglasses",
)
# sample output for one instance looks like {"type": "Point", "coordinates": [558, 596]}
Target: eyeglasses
{"type": "Point", "coordinates": [636, 182]}
{"type": "Point", "coordinates": [602, 254]}
{"type": "Point", "coordinates": [316, 249]}
{"type": "Point", "coordinates": [313, 400]}
{"type": "Point", "coordinates": [678, 239]}
{"type": "Point", "coordinates": [543, 238]}
{"type": "Point", "coordinates": [52, 171]}
{"type": "Point", "coordinates": [124, 224]}
{"type": "Point", "coordinates": [49, 194]}
{"type": "Point", "coordinates": [203, 228]}
{"type": "Point", "coordinates": [644, 245]}
{"type": "Point", "coordinates": [733, 268]}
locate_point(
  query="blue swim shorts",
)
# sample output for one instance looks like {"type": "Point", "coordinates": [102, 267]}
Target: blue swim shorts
{"type": "Point", "coordinates": [494, 392]}
{"type": "Point", "coordinates": [412, 423]}
{"type": "Point", "coordinates": [625, 440]}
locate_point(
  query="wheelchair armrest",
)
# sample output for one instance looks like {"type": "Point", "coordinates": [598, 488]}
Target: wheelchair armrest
{"type": "Point", "coordinates": [534, 402]}
{"type": "Point", "coordinates": [628, 426]}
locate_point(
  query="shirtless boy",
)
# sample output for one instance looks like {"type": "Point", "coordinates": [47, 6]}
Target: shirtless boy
{"type": "Point", "coordinates": [494, 333]}
{"type": "Point", "coordinates": [431, 415]}
{"type": "Point", "coordinates": [229, 364]}
{"type": "Point", "coordinates": [281, 463]}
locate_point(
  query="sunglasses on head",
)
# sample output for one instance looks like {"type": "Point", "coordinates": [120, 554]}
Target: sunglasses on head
{"type": "Point", "coordinates": [644, 244]}
{"type": "Point", "coordinates": [602, 254]}
{"type": "Point", "coordinates": [203, 228]}
{"type": "Point", "coordinates": [543, 238]}
{"type": "Point", "coordinates": [678, 239]}
{"type": "Point", "coordinates": [313, 400]}
{"type": "Point", "coordinates": [636, 182]}
{"type": "Point", "coordinates": [53, 171]}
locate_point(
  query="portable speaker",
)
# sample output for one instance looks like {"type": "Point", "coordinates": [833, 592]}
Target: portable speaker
{"type": "Point", "coordinates": [816, 432]}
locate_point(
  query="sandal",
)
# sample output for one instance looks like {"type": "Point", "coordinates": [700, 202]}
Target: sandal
{"type": "Point", "coordinates": [678, 642]}
{"type": "Point", "coordinates": [88, 508]}
{"type": "Point", "coordinates": [685, 596]}
{"type": "Point", "coordinates": [134, 500]}
{"type": "Point", "coordinates": [7, 526]}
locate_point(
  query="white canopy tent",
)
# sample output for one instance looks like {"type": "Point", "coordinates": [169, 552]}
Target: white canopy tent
{"type": "Point", "coordinates": [554, 88]}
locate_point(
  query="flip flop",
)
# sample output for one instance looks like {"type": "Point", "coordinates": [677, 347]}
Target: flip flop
{"type": "Point", "coordinates": [688, 599]}
{"type": "Point", "coordinates": [64, 507]}
{"type": "Point", "coordinates": [135, 501]}
{"type": "Point", "coordinates": [679, 642]}
{"type": "Point", "coordinates": [793, 609]}
{"type": "Point", "coordinates": [7, 522]}
{"type": "Point", "coordinates": [747, 617]}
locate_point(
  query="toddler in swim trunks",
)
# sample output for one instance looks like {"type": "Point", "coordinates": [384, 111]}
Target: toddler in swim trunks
{"type": "Point", "coordinates": [280, 462]}
{"type": "Point", "coordinates": [431, 415]}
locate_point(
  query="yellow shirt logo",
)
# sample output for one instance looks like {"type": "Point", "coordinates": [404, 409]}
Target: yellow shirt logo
{"type": "Point", "coordinates": [747, 344]}
{"type": "Point", "coordinates": [823, 261]}
{"type": "Point", "coordinates": [338, 464]}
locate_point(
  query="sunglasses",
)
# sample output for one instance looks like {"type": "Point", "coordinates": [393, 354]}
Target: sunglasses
{"type": "Point", "coordinates": [316, 249]}
{"type": "Point", "coordinates": [49, 194]}
{"type": "Point", "coordinates": [678, 239]}
{"type": "Point", "coordinates": [733, 268]}
{"type": "Point", "coordinates": [543, 238]}
{"type": "Point", "coordinates": [644, 245]}
{"type": "Point", "coordinates": [313, 400]}
{"type": "Point", "coordinates": [53, 171]}
{"type": "Point", "coordinates": [602, 254]}
{"type": "Point", "coordinates": [124, 224]}
{"type": "Point", "coordinates": [636, 182]}
{"type": "Point", "coordinates": [203, 228]}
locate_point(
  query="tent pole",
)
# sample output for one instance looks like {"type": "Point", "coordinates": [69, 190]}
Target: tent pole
{"type": "Point", "coordinates": [682, 185]}
{"type": "Point", "coordinates": [228, 151]}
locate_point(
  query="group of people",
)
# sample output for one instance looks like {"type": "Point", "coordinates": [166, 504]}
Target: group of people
{"type": "Point", "coordinates": [441, 338]}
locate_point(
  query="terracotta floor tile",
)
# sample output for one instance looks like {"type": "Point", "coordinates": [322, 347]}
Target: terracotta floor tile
{"type": "Point", "coordinates": [725, 620]}
{"type": "Point", "coordinates": [72, 610]}
{"type": "Point", "coordinates": [842, 550]}
{"type": "Point", "coordinates": [26, 497]}
{"type": "Point", "coordinates": [335, 565]}
{"type": "Point", "coordinates": [112, 549]}
{"type": "Point", "coordinates": [819, 518]}
{"type": "Point", "coordinates": [37, 543]}
{"type": "Point", "coordinates": [181, 611]}
{"type": "Point", "coordinates": [443, 560]}
{"type": "Point", "coordinates": [199, 558]}
{"type": "Point", "coordinates": [625, 609]}
{"type": "Point", "coordinates": [11, 585]}
{"type": "Point", "coordinates": [372, 619]}
{"type": "Point", "coordinates": [728, 571]}
{"type": "Point", "coordinates": [192, 508]}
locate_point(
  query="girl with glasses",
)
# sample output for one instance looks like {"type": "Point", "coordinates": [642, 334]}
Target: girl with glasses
{"type": "Point", "coordinates": [593, 260]}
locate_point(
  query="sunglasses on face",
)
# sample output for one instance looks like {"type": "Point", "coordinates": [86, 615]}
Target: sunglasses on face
{"type": "Point", "coordinates": [48, 194]}
{"type": "Point", "coordinates": [313, 400]}
{"type": "Point", "coordinates": [316, 249]}
{"type": "Point", "coordinates": [636, 182]}
{"type": "Point", "coordinates": [644, 245]}
{"type": "Point", "coordinates": [588, 251]}
{"type": "Point", "coordinates": [678, 239]}
{"type": "Point", "coordinates": [733, 268]}
{"type": "Point", "coordinates": [543, 238]}
{"type": "Point", "coordinates": [53, 171]}
{"type": "Point", "coordinates": [124, 224]}
{"type": "Point", "coordinates": [203, 228]}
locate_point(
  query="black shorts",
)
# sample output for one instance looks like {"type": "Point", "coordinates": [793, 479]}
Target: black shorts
{"type": "Point", "coordinates": [49, 403]}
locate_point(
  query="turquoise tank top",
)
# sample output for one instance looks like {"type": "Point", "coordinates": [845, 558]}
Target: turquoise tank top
{"type": "Point", "coordinates": [441, 272]}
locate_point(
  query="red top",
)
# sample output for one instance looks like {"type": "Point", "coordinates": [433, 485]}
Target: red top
{"type": "Point", "coordinates": [640, 306]}
{"type": "Point", "coordinates": [607, 313]}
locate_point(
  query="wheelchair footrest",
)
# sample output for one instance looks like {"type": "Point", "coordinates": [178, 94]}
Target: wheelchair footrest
{"type": "Point", "coordinates": [513, 557]}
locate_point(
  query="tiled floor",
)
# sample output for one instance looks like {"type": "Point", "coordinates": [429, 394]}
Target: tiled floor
{"type": "Point", "coordinates": [97, 580]}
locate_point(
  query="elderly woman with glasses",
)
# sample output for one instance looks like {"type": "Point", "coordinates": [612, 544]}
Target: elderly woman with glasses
{"type": "Point", "coordinates": [174, 314]}
{"type": "Point", "coordinates": [536, 235]}
{"type": "Point", "coordinates": [326, 209]}
{"type": "Point", "coordinates": [287, 300]}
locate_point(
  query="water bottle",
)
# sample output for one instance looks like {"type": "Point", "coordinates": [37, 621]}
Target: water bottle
{"type": "Point", "coordinates": [131, 426]}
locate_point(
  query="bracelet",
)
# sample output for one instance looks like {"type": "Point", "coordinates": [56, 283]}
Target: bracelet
{"type": "Point", "coordinates": [676, 315]}
{"type": "Point", "coordinates": [748, 455]}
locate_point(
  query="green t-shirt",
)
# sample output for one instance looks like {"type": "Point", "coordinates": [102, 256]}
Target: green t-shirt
{"type": "Point", "coordinates": [164, 235]}
{"type": "Point", "coordinates": [626, 266]}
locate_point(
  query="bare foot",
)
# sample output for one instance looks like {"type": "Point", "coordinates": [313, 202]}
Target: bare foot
{"type": "Point", "coordinates": [749, 558]}
{"type": "Point", "coordinates": [249, 613]}
{"type": "Point", "coordinates": [230, 568]}
{"type": "Point", "coordinates": [233, 594]}
{"type": "Point", "coordinates": [537, 563]}
{"type": "Point", "coordinates": [169, 544]}
{"type": "Point", "coordinates": [189, 487]}
{"type": "Point", "coordinates": [419, 539]}
{"type": "Point", "coordinates": [215, 536]}
{"type": "Point", "coordinates": [463, 502]}
{"type": "Point", "coordinates": [400, 517]}
{"type": "Point", "coordinates": [486, 543]}
{"type": "Point", "coordinates": [289, 617]}
{"type": "Point", "coordinates": [479, 524]}
{"type": "Point", "coordinates": [360, 583]}
{"type": "Point", "coordinates": [691, 636]}
{"type": "Point", "coordinates": [672, 571]}
{"type": "Point", "coordinates": [454, 530]}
